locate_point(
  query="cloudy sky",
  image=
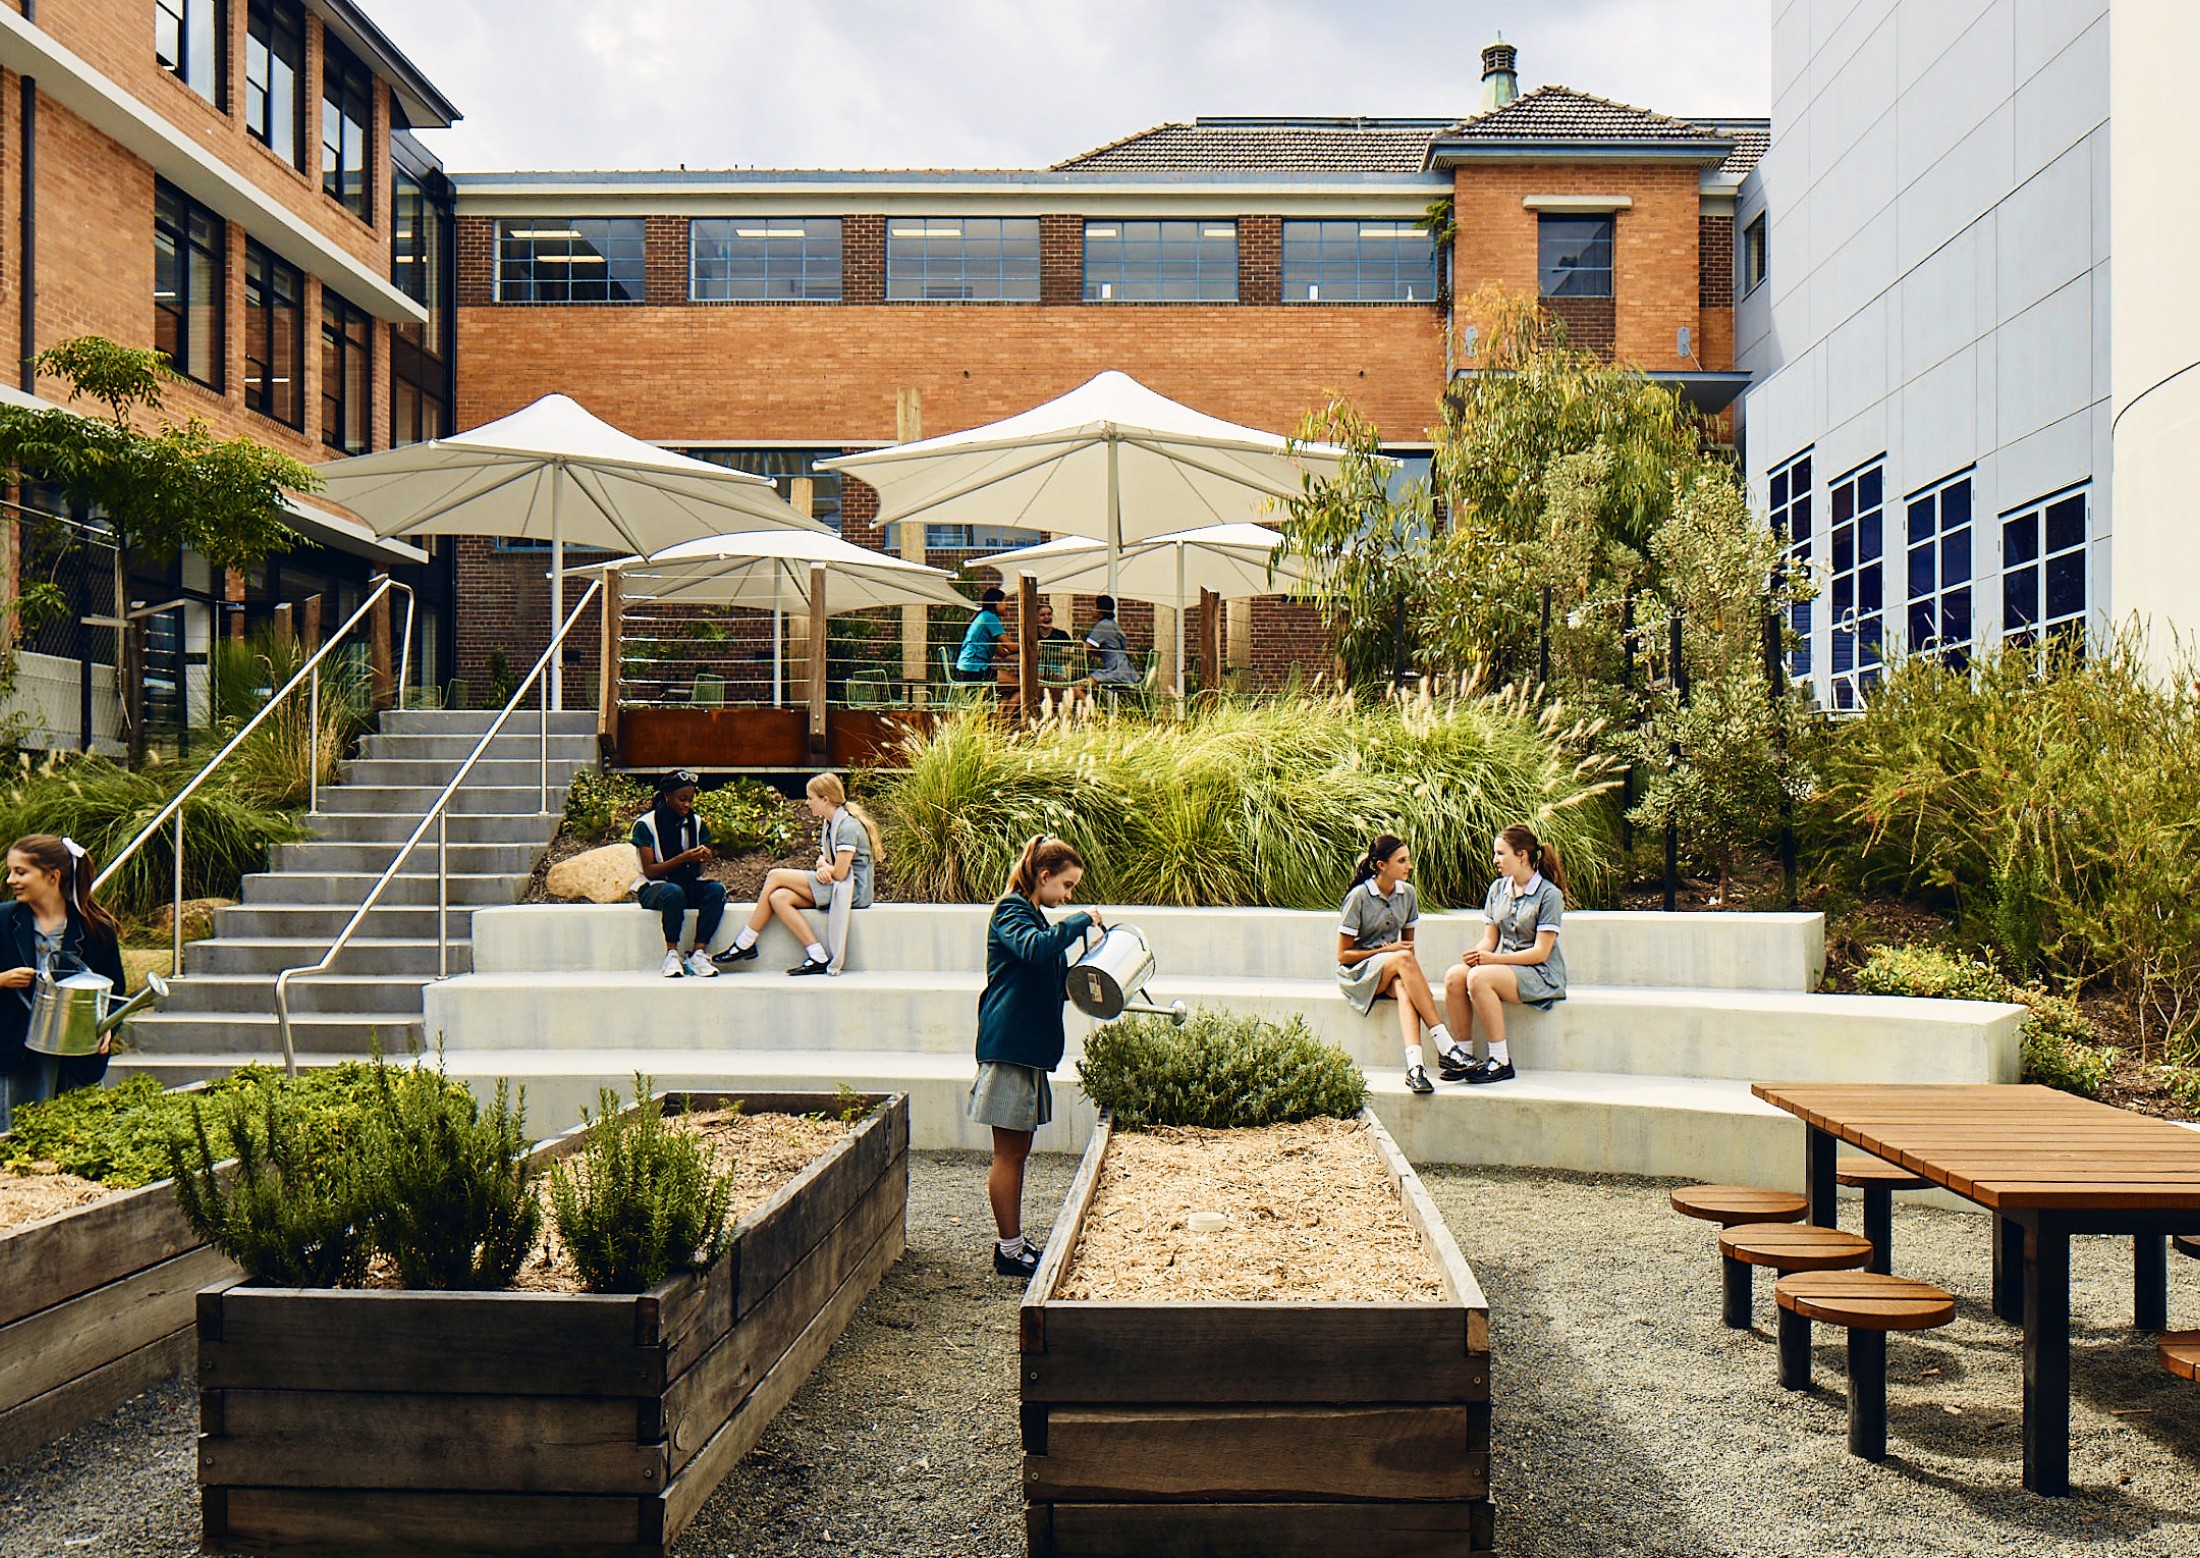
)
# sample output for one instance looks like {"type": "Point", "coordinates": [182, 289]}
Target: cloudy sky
{"type": "Point", "coordinates": [1014, 83]}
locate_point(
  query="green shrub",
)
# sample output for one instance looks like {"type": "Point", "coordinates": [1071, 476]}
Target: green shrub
{"type": "Point", "coordinates": [293, 1211]}
{"type": "Point", "coordinates": [602, 805]}
{"type": "Point", "coordinates": [1259, 803]}
{"type": "Point", "coordinates": [744, 816]}
{"type": "Point", "coordinates": [117, 1135]}
{"type": "Point", "coordinates": [1220, 1070]}
{"type": "Point", "coordinates": [639, 1200]}
{"type": "Point", "coordinates": [449, 1185]}
{"type": "Point", "coordinates": [2061, 1046]}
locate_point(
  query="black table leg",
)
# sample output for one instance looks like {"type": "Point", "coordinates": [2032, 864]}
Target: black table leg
{"type": "Point", "coordinates": [1818, 1182]}
{"type": "Point", "coordinates": [1794, 1351]}
{"type": "Point", "coordinates": [1879, 1227]}
{"type": "Point", "coordinates": [1740, 1292]}
{"type": "Point", "coordinates": [1868, 1394]}
{"type": "Point", "coordinates": [2009, 1270]}
{"type": "Point", "coordinates": [2150, 1281]}
{"type": "Point", "coordinates": [2047, 1359]}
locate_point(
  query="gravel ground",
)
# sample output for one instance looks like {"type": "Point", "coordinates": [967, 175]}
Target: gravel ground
{"type": "Point", "coordinates": [1628, 1420]}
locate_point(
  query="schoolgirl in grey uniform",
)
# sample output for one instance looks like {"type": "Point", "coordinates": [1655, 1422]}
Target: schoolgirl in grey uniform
{"type": "Point", "coordinates": [1375, 956]}
{"type": "Point", "coordinates": [1517, 959]}
{"type": "Point", "coordinates": [848, 848]}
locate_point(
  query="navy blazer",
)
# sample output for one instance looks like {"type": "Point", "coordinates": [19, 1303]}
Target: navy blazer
{"type": "Point", "coordinates": [1026, 959]}
{"type": "Point", "coordinates": [19, 949]}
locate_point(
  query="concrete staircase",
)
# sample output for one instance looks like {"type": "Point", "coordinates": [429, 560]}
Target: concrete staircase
{"type": "Point", "coordinates": [221, 1013]}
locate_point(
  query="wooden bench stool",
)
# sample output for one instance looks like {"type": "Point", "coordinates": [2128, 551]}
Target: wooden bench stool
{"type": "Point", "coordinates": [1727, 1205]}
{"type": "Point", "coordinates": [2180, 1352]}
{"type": "Point", "coordinates": [1879, 1180]}
{"type": "Point", "coordinates": [1785, 1247]}
{"type": "Point", "coordinates": [1870, 1304]}
{"type": "Point", "coordinates": [2188, 1244]}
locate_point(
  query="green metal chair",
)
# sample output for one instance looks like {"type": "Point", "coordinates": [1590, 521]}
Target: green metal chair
{"type": "Point", "coordinates": [708, 692]}
{"type": "Point", "coordinates": [872, 690]}
{"type": "Point", "coordinates": [960, 693]}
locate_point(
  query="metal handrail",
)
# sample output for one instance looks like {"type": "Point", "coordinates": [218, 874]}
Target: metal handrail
{"type": "Point", "coordinates": [174, 808]}
{"type": "Point", "coordinates": [437, 814]}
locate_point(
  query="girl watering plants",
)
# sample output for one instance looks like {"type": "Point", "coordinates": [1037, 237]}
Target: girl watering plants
{"type": "Point", "coordinates": [54, 926]}
{"type": "Point", "coordinates": [1375, 957]}
{"type": "Point", "coordinates": [1020, 1037]}
{"type": "Point", "coordinates": [1517, 959]}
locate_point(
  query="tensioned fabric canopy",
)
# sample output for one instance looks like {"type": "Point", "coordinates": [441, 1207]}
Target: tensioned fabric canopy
{"type": "Point", "coordinates": [553, 472]}
{"type": "Point", "coordinates": [768, 570]}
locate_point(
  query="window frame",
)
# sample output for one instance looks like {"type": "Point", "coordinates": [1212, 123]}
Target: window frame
{"type": "Point", "coordinates": [1293, 245]}
{"type": "Point", "coordinates": [782, 465]}
{"type": "Point", "coordinates": [1117, 279]}
{"type": "Point", "coordinates": [1753, 265]}
{"type": "Point", "coordinates": [628, 235]}
{"type": "Point", "coordinates": [347, 84]}
{"type": "Point", "coordinates": [347, 368]}
{"type": "Point", "coordinates": [179, 220]}
{"type": "Point", "coordinates": [815, 273]}
{"type": "Point", "coordinates": [1790, 502]}
{"type": "Point", "coordinates": [201, 27]}
{"type": "Point", "coordinates": [2039, 567]}
{"type": "Point", "coordinates": [264, 315]}
{"type": "Point", "coordinates": [1864, 516]}
{"type": "Point", "coordinates": [1548, 222]}
{"type": "Point", "coordinates": [268, 22]}
{"type": "Point", "coordinates": [1932, 540]}
{"type": "Point", "coordinates": [920, 229]}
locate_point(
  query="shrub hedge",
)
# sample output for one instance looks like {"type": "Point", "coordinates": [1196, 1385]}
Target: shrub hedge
{"type": "Point", "coordinates": [1220, 1070]}
{"type": "Point", "coordinates": [2062, 1048]}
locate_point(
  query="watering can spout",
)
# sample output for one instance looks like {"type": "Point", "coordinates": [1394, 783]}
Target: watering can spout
{"type": "Point", "coordinates": [155, 992]}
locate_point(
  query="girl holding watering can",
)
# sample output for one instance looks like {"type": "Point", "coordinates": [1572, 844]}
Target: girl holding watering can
{"type": "Point", "coordinates": [53, 926]}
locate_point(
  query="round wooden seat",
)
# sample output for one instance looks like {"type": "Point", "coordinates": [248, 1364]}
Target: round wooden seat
{"type": "Point", "coordinates": [1866, 1300]}
{"type": "Point", "coordinates": [2188, 1244]}
{"type": "Point", "coordinates": [1861, 1172]}
{"type": "Point", "coordinates": [1789, 1247]}
{"type": "Point", "coordinates": [2180, 1352]}
{"type": "Point", "coordinates": [1728, 1205]}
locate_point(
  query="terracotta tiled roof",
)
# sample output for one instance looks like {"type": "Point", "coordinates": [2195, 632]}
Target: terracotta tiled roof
{"type": "Point", "coordinates": [1556, 113]}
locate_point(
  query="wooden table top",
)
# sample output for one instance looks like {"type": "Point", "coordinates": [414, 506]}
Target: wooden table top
{"type": "Point", "coordinates": [2009, 1147]}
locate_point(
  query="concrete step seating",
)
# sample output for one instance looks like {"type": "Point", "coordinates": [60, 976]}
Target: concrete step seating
{"type": "Point", "coordinates": [1645, 1069]}
{"type": "Point", "coordinates": [221, 1011]}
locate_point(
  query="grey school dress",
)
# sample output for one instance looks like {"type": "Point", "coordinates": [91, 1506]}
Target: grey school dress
{"type": "Point", "coordinates": [1371, 920]}
{"type": "Point", "coordinates": [1519, 917]}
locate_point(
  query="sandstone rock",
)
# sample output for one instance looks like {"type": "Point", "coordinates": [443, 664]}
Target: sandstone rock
{"type": "Point", "coordinates": [599, 876]}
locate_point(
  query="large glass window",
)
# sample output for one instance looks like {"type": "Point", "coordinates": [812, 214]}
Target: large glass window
{"type": "Point", "coordinates": [189, 243]}
{"type": "Point", "coordinates": [1756, 255]}
{"type": "Point", "coordinates": [346, 356]}
{"type": "Point", "coordinates": [1357, 262]}
{"type": "Point", "coordinates": [188, 38]}
{"type": "Point", "coordinates": [1574, 254]}
{"type": "Point", "coordinates": [2043, 556]}
{"type": "Point", "coordinates": [274, 64]}
{"type": "Point", "coordinates": [1939, 521]}
{"type": "Point", "coordinates": [347, 115]}
{"type": "Point", "coordinates": [1161, 262]}
{"type": "Point", "coordinates": [557, 259]}
{"type": "Point", "coordinates": [1857, 541]}
{"type": "Point", "coordinates": [419, 371]}
{"type": "Point", "coordinates": [753, 259]}
{"type": "Point", "coordinates": [274, 337]}
{"type": "Point", "coordinates": [962, 259]}
{"type": "Point", "coordinates": [783, 466]}
{"type": "Point", "coordinates": [1790, 513]}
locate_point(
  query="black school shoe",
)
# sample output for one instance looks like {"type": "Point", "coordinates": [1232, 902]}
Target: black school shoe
{"type": "Point", "coordinates": [1456, 1070]}
{"type": "Point", "coordinates": [808, 967]}
{"type": "Point", "coordinates": [1417, 1080]}
{"type": "Point", "coordinates": [733, 955]}
{"type": "Point", "coordinates": [1018, 1266]}
{"type": "Point", "coordinates": [1487, 1070]}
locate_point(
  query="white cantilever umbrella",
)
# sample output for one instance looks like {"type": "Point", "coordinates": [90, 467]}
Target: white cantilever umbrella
{"type": "Point", "coordinates": [552, 472]}
{"type": "Point", "coordinates": [771, 570]}
{"type": "Point", "coordinates": [1233, 561]}
{"type": "Point", "coordinates": [1111, 460]}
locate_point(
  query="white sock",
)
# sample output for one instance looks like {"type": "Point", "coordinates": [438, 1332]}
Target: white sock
{"type": "Point", "coordinates": [1440, 1036]}
{"type": "Point", "coordinates": [1413, 1056]}
{"type": "Point", "coordinates": [744, 939]}
{"type": "Point", "coordinates": [1011, 1248]}
{"type": "Point", "coordinates": [816, 952]}
{"type": "Point", "coordinates": [1498, 1055]}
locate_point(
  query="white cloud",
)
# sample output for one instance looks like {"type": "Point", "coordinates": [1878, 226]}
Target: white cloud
{"type": "Point", "coordinates": [1008, 83]}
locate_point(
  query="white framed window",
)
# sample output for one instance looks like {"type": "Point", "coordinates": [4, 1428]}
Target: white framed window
{"type": "Point", "coordinates": [1790, 504]}
{"type": "Point", "coordinates": [1940, 620]}
{"type": "Point", "coordinates": [1856, 544]}
{"type": "Point", "coordinates": [2043, 558]}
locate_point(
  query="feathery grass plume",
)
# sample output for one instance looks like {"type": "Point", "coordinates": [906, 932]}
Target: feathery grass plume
{"type": "Point", "coordinates": [293, 1210]}
{"type": "Point", "coordinates": [272, 767]}
{"type": "Point", "coordinates": [640, 1199]}
{"type": "Point", "coordinates": [1221, 1070]}
{"type": "Point", "coordinates": [449, 1185]}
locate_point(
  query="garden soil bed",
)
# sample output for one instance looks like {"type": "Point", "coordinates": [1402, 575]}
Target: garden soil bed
{"type": "Point", "coordinates": [1191, 1408]}
{"type": "Point", "coordinates": [542, 1423]}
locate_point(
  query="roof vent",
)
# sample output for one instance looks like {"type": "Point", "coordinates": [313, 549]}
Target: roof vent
{"type": "Point", "coordinates": [1500, 80]}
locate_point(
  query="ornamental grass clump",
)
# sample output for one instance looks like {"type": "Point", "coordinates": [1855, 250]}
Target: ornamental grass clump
{"type": "Point", "coordinates": [450, 1188]}
{"type": "Point", "coordinates": [2061, 1046]}
{"type": "Point", "coordinates": [640, 1199]}
{"type": "Point", "coordinates": [293, 1210]}
{"type": "Point", "coordinates": [1220, 1070]}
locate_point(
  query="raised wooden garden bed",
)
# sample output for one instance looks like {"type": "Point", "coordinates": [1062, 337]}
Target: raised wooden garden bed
{"type": "Point", "coordinates": [95, 1306]}
{"type": "Point", "coordinates": [1267, 1428]}
{"type": "Point", "coordinates": [370, 1421]}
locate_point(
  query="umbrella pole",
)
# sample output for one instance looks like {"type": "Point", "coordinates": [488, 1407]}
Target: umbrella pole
{"type": "Point", "coordinates": [1115, 516]}
{"type": "Point", "coordinates": [557, 585]}
{"type": "Point", "coordinates": [1180, 624]}
{"type": "Point", "coordinates": [779, 646]}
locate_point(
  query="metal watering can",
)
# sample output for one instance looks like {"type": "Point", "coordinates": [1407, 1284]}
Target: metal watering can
{"type": "Point", "coordinates": [1109, 978]}
{"type": "Point", "coordinates": [70, 1015]}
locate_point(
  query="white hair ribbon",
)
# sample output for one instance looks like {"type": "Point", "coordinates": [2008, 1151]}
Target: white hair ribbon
{"type": "Point", "coordinates": [76, 850]}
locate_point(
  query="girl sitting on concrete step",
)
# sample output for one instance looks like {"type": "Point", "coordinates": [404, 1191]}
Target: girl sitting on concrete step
{"type": "Point", "coordinates": [848, 849]}
{"type": "Point", "coordinates": [1375, 956]}
{"type": "Point", "coordinates": [1517, 958]}
{"type": "Point", "coordinates": [1020, 1036]}
{"type": "Point", "coordinates": [674, 844]}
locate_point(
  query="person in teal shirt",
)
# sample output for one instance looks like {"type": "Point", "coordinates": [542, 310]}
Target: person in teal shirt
{"type": "Point", "coordinates": [1020, 1033]}
{"type": "Point", "coordinates": [974, 662]}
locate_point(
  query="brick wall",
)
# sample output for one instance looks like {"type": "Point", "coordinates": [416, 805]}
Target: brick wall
{"type": "Point", "coordinates": [863, 259]}
{"type": "Point", "coordinates": [477, 262]}
{"type": "Point", "coordinates": [1590, 323]}
{"type": "Point", "coordinates": [1715, 290]}
{"type": "Point", "coordinates": [665, 259]}
{"type": "Point", "coordinates": [1260, 259]}
{"type": "Point", "coordinates": [1061, 258]}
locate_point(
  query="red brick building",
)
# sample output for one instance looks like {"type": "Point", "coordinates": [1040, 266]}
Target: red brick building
{"type": "Point", "coordinates": [1251, 268]}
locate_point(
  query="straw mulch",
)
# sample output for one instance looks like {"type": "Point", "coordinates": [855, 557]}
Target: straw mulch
{"type": "Point", "coordinates": [1312, 1217]}
{"type": "Point", "coordinates": [25, 1198]}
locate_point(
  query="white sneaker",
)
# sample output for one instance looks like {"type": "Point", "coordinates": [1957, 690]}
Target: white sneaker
{"type": "Point", "coordinates": [700, 965]}
{"type": "Point", "coordinates": [672, 968]}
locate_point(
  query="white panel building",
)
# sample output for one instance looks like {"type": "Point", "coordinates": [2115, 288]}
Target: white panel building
{"type": "Point", "coordinates": [1924, 305]}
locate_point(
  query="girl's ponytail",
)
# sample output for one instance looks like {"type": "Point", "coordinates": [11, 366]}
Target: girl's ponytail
{"type": "Point", "coordinates": [1042, 856]}
{"type": "Point", "coordinates": [828, 788]}
{"type": "Point", "coordinates": [1385, 845]}
{"type": "Point", "coordinates": [1521, 840]}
